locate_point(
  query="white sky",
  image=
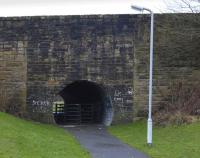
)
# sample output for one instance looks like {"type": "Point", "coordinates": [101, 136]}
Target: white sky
{"type": "Point", "coordinates": [77, 7]}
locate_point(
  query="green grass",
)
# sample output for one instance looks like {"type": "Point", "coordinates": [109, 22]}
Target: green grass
{"type": "Point", "coordinates": [168, 142]}
{"type": "Point", "coordinates": [25, 139]}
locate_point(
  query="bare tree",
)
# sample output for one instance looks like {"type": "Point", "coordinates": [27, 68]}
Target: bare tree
{"type": "Point", "coordinates": [181, 6]}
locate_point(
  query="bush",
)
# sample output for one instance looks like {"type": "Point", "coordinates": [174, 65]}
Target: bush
{"type": "Point", "coordinates": [182, 104]}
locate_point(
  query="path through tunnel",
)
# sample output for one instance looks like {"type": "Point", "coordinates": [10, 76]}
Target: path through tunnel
{"type": "Point", "coordinates": [85, 102]}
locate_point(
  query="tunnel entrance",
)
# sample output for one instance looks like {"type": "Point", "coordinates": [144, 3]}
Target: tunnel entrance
{"type": "Point", "coordinates": [85, 102]}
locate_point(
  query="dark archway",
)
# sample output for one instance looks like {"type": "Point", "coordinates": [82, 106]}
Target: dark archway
{"type": "Point", "coordinates": [85, 102]}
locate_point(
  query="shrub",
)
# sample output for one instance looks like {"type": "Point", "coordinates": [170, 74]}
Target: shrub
{"type": "Point", "coordinates": [181, 105]}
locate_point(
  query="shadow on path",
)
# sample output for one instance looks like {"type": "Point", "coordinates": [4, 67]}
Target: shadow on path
{"type": "Point", "coordinates": [101, 144]}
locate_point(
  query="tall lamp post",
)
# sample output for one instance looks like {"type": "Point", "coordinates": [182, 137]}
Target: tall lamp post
{"type": "Point", "coordinates": [149, 121]}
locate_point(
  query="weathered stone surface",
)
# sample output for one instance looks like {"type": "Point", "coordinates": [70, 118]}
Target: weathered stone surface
{"type": "Point", "coordinates": [176, 57]}
{"type": "Point", "coordinates": [13, 77]}
{"type": "Point", "coordinates": [41, 55]}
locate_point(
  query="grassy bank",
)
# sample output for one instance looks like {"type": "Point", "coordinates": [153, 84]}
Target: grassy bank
{"type": "Point", "coordinates": [168, 142]}
{"type": "Point", "coordinates": [25, 139]}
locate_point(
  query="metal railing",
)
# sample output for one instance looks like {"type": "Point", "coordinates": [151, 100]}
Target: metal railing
{"type": "Point", "coordinates": [75, 113]}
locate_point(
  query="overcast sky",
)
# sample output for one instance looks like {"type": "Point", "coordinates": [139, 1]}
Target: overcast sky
{"type": "Point", "coordinates": [78, 7]}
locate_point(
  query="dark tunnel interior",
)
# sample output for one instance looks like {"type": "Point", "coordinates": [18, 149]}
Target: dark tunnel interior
{"type": "Point", "coordinates": [84, 103]}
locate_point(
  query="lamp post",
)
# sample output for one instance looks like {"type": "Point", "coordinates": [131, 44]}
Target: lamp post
{"type": "Point", "coordinates": [149, 121]}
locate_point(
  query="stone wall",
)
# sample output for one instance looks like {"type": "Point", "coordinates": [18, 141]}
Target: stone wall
{"type": "Point", "coordinates": [176, 57]}
{"type": "Point", "coordinates": [12, 67]}
{"type": "Point", "coordinates": [41, 55]}
{"type": "Point", "coordinates": [66, 49]}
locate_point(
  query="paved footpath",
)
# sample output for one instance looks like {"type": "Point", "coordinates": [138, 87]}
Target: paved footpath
{"type": "Point", "coordinates": [101, 144]}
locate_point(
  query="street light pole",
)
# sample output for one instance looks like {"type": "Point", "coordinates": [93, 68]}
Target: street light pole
{"type": "Point", "coordinates": [149, 121]}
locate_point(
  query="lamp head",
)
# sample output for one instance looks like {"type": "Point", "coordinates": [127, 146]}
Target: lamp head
{"type": "Point", "coordinates": [137, 8]}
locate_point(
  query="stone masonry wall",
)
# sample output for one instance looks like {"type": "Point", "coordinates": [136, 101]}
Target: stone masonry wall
{"type": "Point", "coordinates": [176, 57]}
{"type": "Point", "coordinates": [12, 67]}
{"type": "Point", "coordinates": [66, 49]}
{"type": "Point", "coordinates": [41, 55]}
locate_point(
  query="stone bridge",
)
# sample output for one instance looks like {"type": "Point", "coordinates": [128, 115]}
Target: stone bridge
{"type": "Point", "coordinates": [93, 59]}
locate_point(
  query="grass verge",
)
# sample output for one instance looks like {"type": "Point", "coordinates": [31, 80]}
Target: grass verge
{"type": "Point", "coordinates": [25, 139]}
{"type": "Point", "coordinates": [168, 142]}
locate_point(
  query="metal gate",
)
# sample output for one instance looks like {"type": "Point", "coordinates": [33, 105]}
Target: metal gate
{"type": "Point", "coordinates": [74, 113]}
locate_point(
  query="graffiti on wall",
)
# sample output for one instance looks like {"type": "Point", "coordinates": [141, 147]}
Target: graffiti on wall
{"type": "Point", "coordinates": [41, 106]}
{"type": "Point", "coordinates": [123, 97]}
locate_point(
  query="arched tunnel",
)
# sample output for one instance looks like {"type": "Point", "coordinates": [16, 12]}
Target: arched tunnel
{"type": "Point", "coordinates": [85, 102]}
